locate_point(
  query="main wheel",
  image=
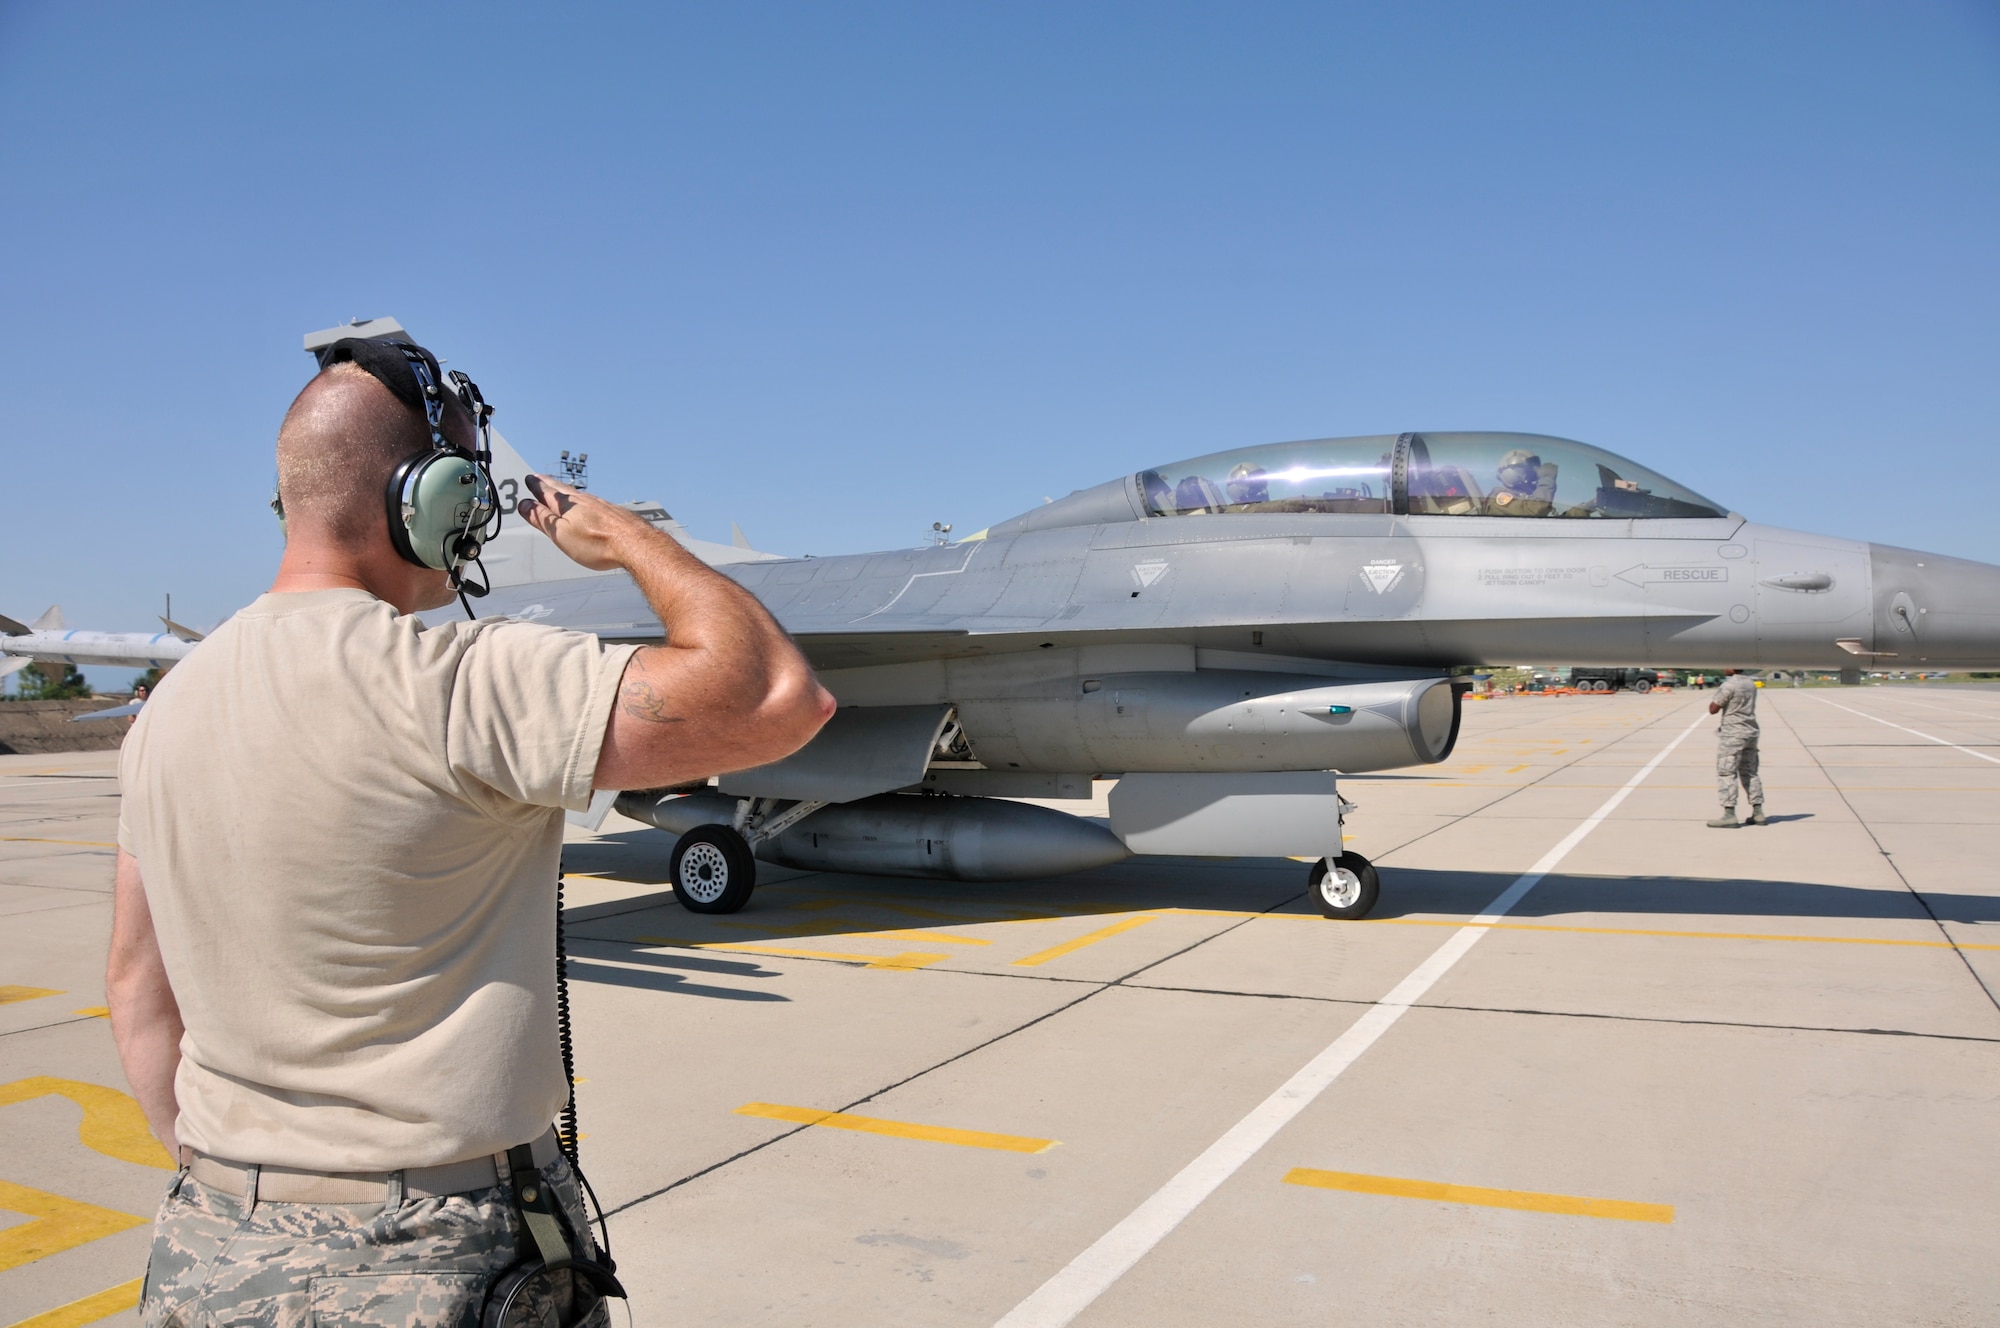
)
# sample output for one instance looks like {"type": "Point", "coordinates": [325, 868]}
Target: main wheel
{"type": "Point", "coordinates": [712, 870]}
{"type": "Point", "coordinates": [1642, 684]}
{"type": "Point", "coordinates": [1345, 887]}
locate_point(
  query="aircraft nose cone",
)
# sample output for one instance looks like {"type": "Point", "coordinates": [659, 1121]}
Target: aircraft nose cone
{"type": "Point", "coordinates": [1934, 610]}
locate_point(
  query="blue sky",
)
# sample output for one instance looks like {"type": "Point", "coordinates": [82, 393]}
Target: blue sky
{"type": "Point", "coordinates": [836, 272]}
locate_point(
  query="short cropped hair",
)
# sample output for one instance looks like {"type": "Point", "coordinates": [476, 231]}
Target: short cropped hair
{"type": "Point", "coordinates": [342, 438]}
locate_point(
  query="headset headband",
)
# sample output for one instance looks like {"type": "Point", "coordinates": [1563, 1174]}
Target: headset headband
{"type": "Point", "coordinates": [412, 373]}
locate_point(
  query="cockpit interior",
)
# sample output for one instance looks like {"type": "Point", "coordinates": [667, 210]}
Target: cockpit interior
{"type": "Point", "coordinates": [1431, 474]}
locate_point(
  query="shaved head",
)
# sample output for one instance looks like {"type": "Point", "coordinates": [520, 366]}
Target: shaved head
{"type": "Point", "coordinates": [342, 438]}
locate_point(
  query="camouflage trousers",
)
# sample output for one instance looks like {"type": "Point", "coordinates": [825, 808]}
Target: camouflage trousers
{"type": "Point", "coordinates": [219, 1260]}
{"type": "Point", "coordinates": [1736, 763]}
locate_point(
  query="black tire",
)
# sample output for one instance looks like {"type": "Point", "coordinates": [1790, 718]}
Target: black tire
{"type": "Point", "coordinates": [712, 870]}
{"type": "Point", "coordinates": [1643, 685]}
{"type": "Point", "coordinates": [1349, 890]}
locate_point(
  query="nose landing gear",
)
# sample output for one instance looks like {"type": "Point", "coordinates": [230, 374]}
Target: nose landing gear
{"type": "Point", "coordinates": [1345, 887]}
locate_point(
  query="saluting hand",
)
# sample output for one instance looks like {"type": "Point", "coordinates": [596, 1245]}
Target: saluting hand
{"type": "Point", "coordinates": [594, 533]}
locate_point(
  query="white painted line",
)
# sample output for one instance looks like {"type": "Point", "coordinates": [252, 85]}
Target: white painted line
{"type": "Point", "coordinates": [1060, 1299]}
{"type": "Point", "coordinates": [1914, 732]}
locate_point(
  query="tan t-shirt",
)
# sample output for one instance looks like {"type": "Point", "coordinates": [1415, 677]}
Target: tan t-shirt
{"type": "Point", "coordinates": [349, 828]}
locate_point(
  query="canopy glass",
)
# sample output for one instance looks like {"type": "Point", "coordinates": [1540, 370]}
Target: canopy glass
{"type": "Point", "coordinates": [1433, 474]}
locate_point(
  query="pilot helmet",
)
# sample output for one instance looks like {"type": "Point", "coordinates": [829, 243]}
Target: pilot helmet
{"type": "Point", "coordinates": [1247, 484]}
{"type": "Point", "coordinates": [1519, 469]}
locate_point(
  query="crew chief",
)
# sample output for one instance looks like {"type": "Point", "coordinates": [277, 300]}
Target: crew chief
{"type": "Point", "coordinates": [1736, 761]}
{"type": "Point", "coordinates": [331, 974]}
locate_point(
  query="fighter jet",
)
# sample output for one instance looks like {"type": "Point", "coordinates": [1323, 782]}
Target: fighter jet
{"type": "Point", "coordinates": [21, 644]}
{"type": "Point", "coordinates": [1227, 635]}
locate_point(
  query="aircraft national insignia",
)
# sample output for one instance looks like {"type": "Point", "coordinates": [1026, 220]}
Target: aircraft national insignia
{"type": "Point", "coordinates": [1382, 575]}
{"type": "Point", "coordinates": [1147, 573]}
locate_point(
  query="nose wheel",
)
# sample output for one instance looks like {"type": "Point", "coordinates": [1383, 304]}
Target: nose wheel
{"type": "Point", "coordinates": [1345, 887]}
{"type": "Point", "coordinates": [712, 870]}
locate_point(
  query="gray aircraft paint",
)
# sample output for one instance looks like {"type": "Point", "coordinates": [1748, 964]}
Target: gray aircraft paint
{"type": "Point", "coordinates": [1131, 628]}
{"type": "Point", "coordinates": [1088, 636]}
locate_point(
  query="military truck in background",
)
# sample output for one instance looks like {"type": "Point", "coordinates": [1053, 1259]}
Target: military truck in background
{"type": "Point", "coordinates": [1615, 680]}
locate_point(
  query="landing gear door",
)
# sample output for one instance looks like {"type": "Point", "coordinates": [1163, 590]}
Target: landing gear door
{"type": "Point", "coordinates": [862, 751]}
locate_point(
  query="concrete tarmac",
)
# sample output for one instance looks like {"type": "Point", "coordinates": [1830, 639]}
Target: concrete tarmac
{"type": "Point", "coordinates": [1689, 1076]}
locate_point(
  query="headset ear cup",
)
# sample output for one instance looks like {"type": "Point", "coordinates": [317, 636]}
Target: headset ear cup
{"type": "Point", "coordinates": [399, 526]}
{"type": "Point", "coordinates": [437, 508]}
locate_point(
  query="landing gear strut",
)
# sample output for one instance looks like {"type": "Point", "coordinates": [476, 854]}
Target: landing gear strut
{"type": "Point", "coordinates": [1345, 887]}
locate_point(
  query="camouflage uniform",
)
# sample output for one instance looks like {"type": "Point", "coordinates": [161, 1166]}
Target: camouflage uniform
{"type": "Point", "coordinates": [292, 1265]}
{"type": "Point", "coordinates": [1736, 742]}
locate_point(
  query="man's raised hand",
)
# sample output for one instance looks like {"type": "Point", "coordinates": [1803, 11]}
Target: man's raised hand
{"type": "Point", "coordinates": [594, 533]}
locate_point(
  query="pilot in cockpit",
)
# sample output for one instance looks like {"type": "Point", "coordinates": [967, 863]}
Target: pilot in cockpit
{"type": "Point", "coordinates": [1527, 486]}
{"type": "Point", "coordinates": [1248, 484]}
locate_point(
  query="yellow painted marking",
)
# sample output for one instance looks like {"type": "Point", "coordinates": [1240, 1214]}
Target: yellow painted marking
{"type": "Point", "coordinates": [60, 1224]}
{"type": "Point", "coordinates": [932, 937]}
{"type": "Point", "coordinates": [1516, 770]}
{"type": "Point", "coordinates": [94, 1011]}
{"type": "Point", "coordinates": [8, 995]}
{"type": "Point", "coordinates": [1092, 938]}
{"type": "Point", "coordinates": [991, 916]}
{"type": "Point", "coordinates": [832, 928]}
{"type": "Point", "coordinates": [1573, 1205]}
{"type": "Point", "coordinates": [908, 959]}
{"type": "Point", "coordinates": [30, 839]}
{"type": "Point", "coordinates": [90, 1309]}
{"type": "Point", "coordinates": [937, 1134]}
{"type": "Point", "coordinates": [112, 1122]}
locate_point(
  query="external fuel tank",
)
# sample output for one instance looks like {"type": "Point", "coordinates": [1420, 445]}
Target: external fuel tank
{"type": "Point", "coordinates": [908, 834]}
{"type": "Point", "coordinates": [1216, 720]}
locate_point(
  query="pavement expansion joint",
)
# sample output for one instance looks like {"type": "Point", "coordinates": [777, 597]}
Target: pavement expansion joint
{"type": "Point", "coordinates": [1364, 1002]}
{"type": "Point", "coordinates": [1972, 970]}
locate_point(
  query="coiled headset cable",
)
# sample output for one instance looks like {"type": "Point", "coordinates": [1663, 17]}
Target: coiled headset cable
{"type": "Point", "coordinates": [566, 1136]}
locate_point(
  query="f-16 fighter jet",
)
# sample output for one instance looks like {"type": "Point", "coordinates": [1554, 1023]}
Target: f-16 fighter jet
{"type": "Point", "coordinates": [1227, 635]}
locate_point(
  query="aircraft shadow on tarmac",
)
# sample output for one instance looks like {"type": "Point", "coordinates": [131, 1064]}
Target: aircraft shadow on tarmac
{"type": "Point", "coordinates": [795, 909]}
{"type": "Point", "coordinates": [1409, 891]}
{"type": "Point", "coordinates": [650, 978]}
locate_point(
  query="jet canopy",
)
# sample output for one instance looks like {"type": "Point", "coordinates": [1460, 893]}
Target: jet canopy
{"type": "Point", "coordinates": [1430, 474]}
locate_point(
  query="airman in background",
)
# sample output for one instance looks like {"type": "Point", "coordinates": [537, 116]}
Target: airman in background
{"type": "Point", "coordinates": [1736, 749]}
{"type": "Point", "coordinates": [1527, 486]}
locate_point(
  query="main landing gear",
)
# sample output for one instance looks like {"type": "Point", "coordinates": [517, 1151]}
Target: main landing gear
{"type": "Point", "coordinates": [714, 867]}
{"type": "Point", "coordinates": [713, 870]}
{"type": "Point", "coordinates": [1345, 887]}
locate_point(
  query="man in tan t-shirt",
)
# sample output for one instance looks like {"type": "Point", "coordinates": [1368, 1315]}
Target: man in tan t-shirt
{"type": "Point", "coordinates": [332, 974]}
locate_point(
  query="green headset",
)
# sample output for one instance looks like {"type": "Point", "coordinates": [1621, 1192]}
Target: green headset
{"type": "Point", "coordinates": [441, 502]}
